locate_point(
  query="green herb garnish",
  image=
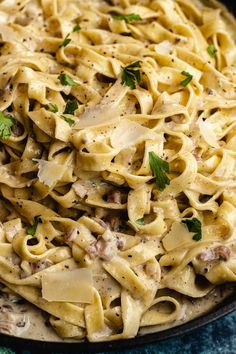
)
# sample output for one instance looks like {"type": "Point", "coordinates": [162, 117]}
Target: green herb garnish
{"type": "Point", "coordinates": [76, 28]}
{"type": "Point", "coordinates": [52, 108]}
{"type": "Point", "coordinates": [159, 168]}
{"type": "Point", "coordinates": [66, 41]}
{"type": "Point", "coordinates": [188, 79]}
{"type": "Point", "coordinates": [71, 107]}
{"type": "Point", "coordinates": [31, 230]}
{"type": "Point", "coordinates": [131, 74]}
{"type": "Point", "coordinates": [67, 80]}
{"type": "Point", "coordinates": [6, 122]}
{"type": "Point", "coordinates": [194, 225]}
{"type": "Point", "coordinates": [140, 221]}
{"type": "Point", "coordinates": [211, 49]}
{"type": "Point", "coordinates": [68, 120]}
{"type": "Point", "coordinates": [128, 18]}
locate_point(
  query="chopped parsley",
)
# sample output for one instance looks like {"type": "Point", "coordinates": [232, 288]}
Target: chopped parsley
{"type": "Point", "coordinates": [6, 122]}
{"type": "Point", "coordinates": [188, 79]}
{"type": "Point", "coordinates": [128, 18]}
{"type": "Point", "coordinates": [76, 28]}
{"type": "Point", "coordinates": [66, 41]}
{"type": "Point", "coordinates": [31, 230]}
{"type": "Point", "coordinates": [71, 107]}
{"type": "Point", "coordinates": [131, 74]}
{"type": "Point", "coordinates": [159, 168]}
{"type": "Point", "coordinates": [52, 107]}
{"type": "Point", "coordinates": [140, 221]}
{"type": "Point", "coordinates": [211, 49]}
{"type": "Point", "coordinates": [68, 120]}
{"type": "Point", "coordinates": [194, 225]}
{"type": "Point", "coordinates": [67, 80]}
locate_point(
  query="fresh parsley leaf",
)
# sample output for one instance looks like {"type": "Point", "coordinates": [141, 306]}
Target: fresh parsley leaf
{"type": "Point", "coordinates": [67, 80]}
{"type": "Point", "coordinates": [188, 79]}
{"type": "Point", "coordinates": [194, 225]}
{"type": "Point", "coordinates": [68, 120]}
{"type": "Point", "coordinates": [76, 28]}
{"type": "Point", "coordinates": [159, 168]}
{"type": "Point", "coordinates": [140, 221]}
{"type": "Point", "coordinates": [131, 74]}
{"type": "Point", "coordinates": [6, 122]}
{"type": "Point", "coordinates": [211, 49]}
{"type": "Point", "coordinates": [31, 230]}
{"type": "Point", "coordinates": [52, 108]}
{"type": "Point", "coordinates": [128, 18]}
{"type": "Point", "coordinates": [66, 41]}
{"type": "Point", "coordinates": [71, 107]}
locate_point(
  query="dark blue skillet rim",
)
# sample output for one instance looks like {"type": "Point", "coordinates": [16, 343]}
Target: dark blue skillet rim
{"type": "Point", "coordinates": [43, 347]}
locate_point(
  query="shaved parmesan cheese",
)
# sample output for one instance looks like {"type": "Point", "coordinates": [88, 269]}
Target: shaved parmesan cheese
{"type": "Point", "coordinates": [69, 286]}
{"type": "Point", "coordinates": [129, 133]}
{"type": "Point", "coordinates": [207, 133]}
{"type": "Point", "coordinates": [165, 47]}
{"type": "Point", "coordinates": [83, 187]}
{"type": "Point", "coordinates": [49, 172]}
{"type": "Point", "coordinates": [107, 110]}
{"type": "Point", "coordinates": [178, 236]}
{"type": "Point", "coordinates": [62, 130]}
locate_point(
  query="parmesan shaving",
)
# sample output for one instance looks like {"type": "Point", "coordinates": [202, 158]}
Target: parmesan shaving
{"type": "Point", "coordinates": [68, 286]}
{"type": "Point", "coordinates": [129, 133]}
{"type": "Point", "coordinates": [107, 110]}
{"type": "Point", "coordinates": [49, 172]}
{"type": "Point", "coordinates": [178, 236]}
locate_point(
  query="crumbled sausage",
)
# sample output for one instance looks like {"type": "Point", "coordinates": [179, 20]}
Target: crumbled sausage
{"type": "Point", "coordinates": [17, 129]}
{"type": "Point", "coordinates": [41, 265]}
{"type": "Point", "coordinates": [70, 235]}
{"type": "Point", "coordinates": [113, 222]}
{"type": "Point", "coordinates": [6, 308]}
{"type": "Point", "coordinates": [103, 249]}
{"type": "Point", "coordinates": [119, 244]}
{"type": "Point", "coordinates": [92, 250]}
{"type": "Point", "coordinates": [11, 322]}
{"type": "Point", "coordinates": [222, 252]}
{"type": "Point", "coordinates": [114, 197]}
{"type": "Point", "coordinates": [217, 253]}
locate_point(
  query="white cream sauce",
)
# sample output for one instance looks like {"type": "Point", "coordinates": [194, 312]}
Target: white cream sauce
{"type": "Point", "coordinates": [32, 323]}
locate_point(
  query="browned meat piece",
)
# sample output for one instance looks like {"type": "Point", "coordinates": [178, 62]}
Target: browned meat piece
{"type": "Point", "coordinates": [92, 250]}
{"type": "Point", "coordinates": [70, 235]}
{"type": "Point", "coordinates": [41, 265]}
{"type": "Point", "coordinates": [114, 197]}
{"type": "Point", "coordinates": [11, 322]}
{"type": "Point", "coordinates": [120, 244]}
{"type": "Point", "coordinates": [113, 222]}
{"type": "Point", "coordinates": [218, 253]}
{"type": "Point", "coordinates": [222, 252]}
{"type": "Point", "coordinates": [17, 129]}
{"type": "Point", "coordinates": [104, 249]}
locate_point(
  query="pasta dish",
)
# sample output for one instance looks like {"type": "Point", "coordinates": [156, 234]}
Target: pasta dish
{"type": "Point", "coordinates": [117, 162]}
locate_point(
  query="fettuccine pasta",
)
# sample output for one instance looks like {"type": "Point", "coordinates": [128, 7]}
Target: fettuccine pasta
{"type": "Point", "coordinates": [117, 160]}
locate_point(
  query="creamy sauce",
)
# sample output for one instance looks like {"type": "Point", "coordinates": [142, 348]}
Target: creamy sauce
{"type": "Point", "coordinates": [37, 326]}
{"type": "Point", "coordinates": [193, 308]}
